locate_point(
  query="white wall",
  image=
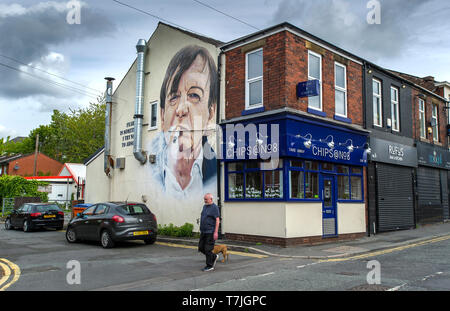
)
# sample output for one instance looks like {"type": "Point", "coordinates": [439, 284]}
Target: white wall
{"type": "Point", "coordinates": [97, 183]}
{"type": "Point", "coordinates": [351, 218]}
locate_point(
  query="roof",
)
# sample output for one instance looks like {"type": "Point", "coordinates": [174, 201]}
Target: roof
{"type": "Point", "coordinates": [9, 158]}
{"type": "Point", "coordinates": [93, 156]}
{"type": "Point", "coordinates": [76, 170]}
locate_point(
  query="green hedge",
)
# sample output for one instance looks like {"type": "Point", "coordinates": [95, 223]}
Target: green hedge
{"type": "Point", "coordinates": [17, 186]}
{"type": "Point", "coordinates": [171, 230]}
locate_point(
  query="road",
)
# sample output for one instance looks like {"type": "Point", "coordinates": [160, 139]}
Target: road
{"type": "Point", "coordinates": [39, 261]}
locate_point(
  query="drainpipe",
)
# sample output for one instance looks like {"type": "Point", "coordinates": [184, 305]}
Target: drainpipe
{"type": "Point", "coordinates": [139, 154]}
{"type": "Point", "coordinates": [107, 153]}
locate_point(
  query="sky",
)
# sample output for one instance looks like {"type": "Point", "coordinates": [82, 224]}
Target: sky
{"type": "Point", "coordinates": [48, 63]}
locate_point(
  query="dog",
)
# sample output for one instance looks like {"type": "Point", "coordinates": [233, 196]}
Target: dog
{"type": "Point", "coordinates": [221, 249]}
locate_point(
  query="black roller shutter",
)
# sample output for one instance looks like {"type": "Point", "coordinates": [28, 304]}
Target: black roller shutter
{"type": "Point", "coordinates": [395, 197]}
{"type": "Point", "coordinates": [429, 191]}
{"type": "Point", "coordinates": [444, 191]}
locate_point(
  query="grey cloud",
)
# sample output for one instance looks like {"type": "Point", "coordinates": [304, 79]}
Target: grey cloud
{"type": "Point", "coordinates": [344, 23]}
{"type": "Point", "coordinates": [33, 32]}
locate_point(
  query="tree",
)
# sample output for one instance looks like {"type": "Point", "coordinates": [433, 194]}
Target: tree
{"type": "Point", "coordinates": [70, 137]}
{"type": "Point", "coordinates": [17, 186]}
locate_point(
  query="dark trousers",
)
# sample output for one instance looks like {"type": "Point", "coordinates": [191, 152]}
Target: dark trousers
{"type": "Point", "coordinates": [206, 246]}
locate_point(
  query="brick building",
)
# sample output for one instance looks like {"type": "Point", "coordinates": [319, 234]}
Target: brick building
{"type": "Point", "coordinates": [23, 165]}
{"type": "Point", "coordinates": [311, 188]}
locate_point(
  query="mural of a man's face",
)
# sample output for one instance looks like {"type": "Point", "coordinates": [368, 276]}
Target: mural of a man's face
{"type": "Point", "coordinates": [186, 112]}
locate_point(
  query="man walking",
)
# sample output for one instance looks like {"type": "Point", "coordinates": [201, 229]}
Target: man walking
{"type": "Point", "coordinates": [209, 231]}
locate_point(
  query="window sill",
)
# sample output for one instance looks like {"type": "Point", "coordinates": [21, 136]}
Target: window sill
{"type": "Point", "coordinates": [248, 111]}
{"type": "Point", "coordinates": [317, 112]}
{"type": "Point", "coordinates": [342, 119]}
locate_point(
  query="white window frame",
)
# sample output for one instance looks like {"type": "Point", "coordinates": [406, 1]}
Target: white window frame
{"type": "Point", "coordinates": [397, 105]}
{"type": "Point", "coordinates": [380, 96]}
{"type": "Point", "coordinates": [150, 127]}
{"type": "Point", "coordinates": [320, 80]}
{"type": "Point", "coordinates": [338, 88]}
{"type": "Point", "coordinates": [248, 81]}
{"type": "Point", "coordinates": [435, 115]}
{"type": "Point", "coordinates": [422, 119]}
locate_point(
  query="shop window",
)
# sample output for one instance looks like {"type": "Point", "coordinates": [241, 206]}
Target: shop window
{"type": "Point", "coordinates": [236, 186]}
{"type": "Point", "coordinates": [343, 188]}
{"type": "Point", "coordinates": [327, 167]}
{"type": "Point", "coordinates": [253, 185]}
{"type": "Point", "coordinates": [273, 184]}
{"type": "Point", "coordinates": [349, 183]}
{"type": "Point", "coordinates": [298, 164]}
{"type": "Point", "coordinates": [297, 185]}
{"type": "Point", "coordinates": [253, 180]}
{"type": "Point", "coordinates": [312, 185]}
{"type": "Point", "coordinates": [356, 184]}
{"type": "Point", "coordinates": [311, 165]}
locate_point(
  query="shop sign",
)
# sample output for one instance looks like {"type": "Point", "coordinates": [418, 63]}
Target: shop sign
{"type": "Point", "coordinates": [393, 153]}
{"type": "Point", "coordinates": [308, 88]}
{"type": "Point", "coordinates": [435, 156]}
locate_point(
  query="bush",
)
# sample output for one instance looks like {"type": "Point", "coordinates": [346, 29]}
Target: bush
{"type": "Point", "coordinates": [171, 230]}
{"type": "Point", "coordinates": [17, 186]}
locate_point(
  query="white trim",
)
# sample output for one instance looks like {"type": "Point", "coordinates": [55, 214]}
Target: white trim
{"type": "Point", "coordinates": [150, 127]}
{"type": "Point", "coordinates": [397, 103]}
{"type": "Point", "coordinates": [338, 88]}
{"type": "Point", "coordinates": [422, 120]}
{"type": "Point", "coordinates": [380, 96]}
{"type": "Point", "coordinates": [320, 79]}
{"type": "Point", "coordinates": [248, 81]}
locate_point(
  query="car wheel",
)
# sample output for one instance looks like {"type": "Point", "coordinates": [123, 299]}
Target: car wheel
{"type": "Point", "coordinates": [26, 226]}
{"type": "Point", "coordinates": [150, 241]}
{"type": "Point", "coordinates": [106, 240]}
{"type": "Point", "coordinates": [71, 236]}
{"type": "Point", "coordinates": [8, 224]}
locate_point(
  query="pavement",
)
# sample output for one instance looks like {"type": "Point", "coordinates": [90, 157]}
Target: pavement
{"type": "Point", "coordinates": [334, 250]}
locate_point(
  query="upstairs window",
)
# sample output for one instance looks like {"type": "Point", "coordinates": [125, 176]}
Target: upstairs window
{"type": "Point", "coordinates": [422, 119]}
{"type": "Point", "coordinates": [340, 89]}
{"type": "Point", "coordinates": [395, 109]}
{"type": "Point", "coordinates": [254, 79]}
{"type": "Point", "coordinates": [435, 123]}
{"type": "Point", "coordinates": [315, 73]}
{"type": "Point", "coordinates": [377, 104]}
{"type": "Point", "coordinates": [153, 115]}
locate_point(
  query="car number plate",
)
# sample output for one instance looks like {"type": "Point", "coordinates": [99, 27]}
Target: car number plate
{"type": "Point", "coordinates": [49, 216]}
{"type": "Point", "coordinates": [140, 233]}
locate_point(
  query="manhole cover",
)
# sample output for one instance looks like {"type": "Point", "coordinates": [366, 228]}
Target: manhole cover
{"type": "Point", "coordinates": [368, 287]}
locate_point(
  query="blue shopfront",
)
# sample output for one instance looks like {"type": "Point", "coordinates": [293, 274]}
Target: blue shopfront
{"type": "Point", "coordinates": [293, 161]}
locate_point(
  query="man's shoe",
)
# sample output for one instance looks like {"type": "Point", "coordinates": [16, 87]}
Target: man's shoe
{"type": "Point", "coordinates": [215, 260]}
{"type": "Point", "coordinates": [208, 268]}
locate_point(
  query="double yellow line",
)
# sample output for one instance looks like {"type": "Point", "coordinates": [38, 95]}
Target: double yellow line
{"type": "Point", "coordinates": [390, 250]}
{"type": "Point", "coordinates": [11, 273]}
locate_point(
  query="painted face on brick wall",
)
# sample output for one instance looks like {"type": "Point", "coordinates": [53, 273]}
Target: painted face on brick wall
{"type": "Point", "coordinates": [186, 111]}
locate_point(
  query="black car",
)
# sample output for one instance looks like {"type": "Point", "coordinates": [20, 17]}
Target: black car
{"type": "Point", "coordinates": [113, 221]}
{"type": "Point", "coordinates": [31, 216]}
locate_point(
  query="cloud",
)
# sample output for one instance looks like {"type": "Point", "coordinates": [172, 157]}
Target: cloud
{"type": "Point", "coordinates": [33, 34]}
{"type": "Point", "coordinates": [344, 23]}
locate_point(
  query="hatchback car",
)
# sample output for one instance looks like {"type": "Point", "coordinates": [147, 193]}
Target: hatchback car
{"type": "Point", "coordinates": [31, 216]}
{"type": "Point", "coordinates": [112, 222]}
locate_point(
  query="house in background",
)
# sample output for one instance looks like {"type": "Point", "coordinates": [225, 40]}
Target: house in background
{"type": "Point", "coordinates": [23, 165]}
{"type": "Point", "coordinates": [67, 185]}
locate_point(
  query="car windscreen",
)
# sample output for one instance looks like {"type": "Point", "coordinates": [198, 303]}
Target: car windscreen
{"type": "Point", "coordinates": [133, 209]}
{"type": "Point", "coordinates": [47, 208]}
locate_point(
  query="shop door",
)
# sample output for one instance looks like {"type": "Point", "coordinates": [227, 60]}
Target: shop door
{"type": "Point", "coordinates": [329, 210]}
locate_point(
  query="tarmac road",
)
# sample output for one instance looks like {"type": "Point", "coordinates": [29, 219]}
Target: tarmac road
{"type": "Point", "coordinates": [38, 261]}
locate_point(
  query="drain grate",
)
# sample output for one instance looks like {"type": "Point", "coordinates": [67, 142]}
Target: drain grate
{"type": "Point", "coordinates": [368, 287]}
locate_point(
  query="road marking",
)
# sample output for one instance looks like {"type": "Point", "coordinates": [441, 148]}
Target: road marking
{"type": "Point", "coordinates": [387, 251]}
{"type": "Point", "coordinates": [195, 247]}
{"type": "Point", "coordinates": [9, 266]}
{"type": "Point", "coordinates": [6, 273]}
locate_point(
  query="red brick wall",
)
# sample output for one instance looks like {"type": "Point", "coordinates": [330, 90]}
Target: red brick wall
{"type": "Point", "coordinates": [26, 165]}
{"type": "Point", "coordinates": [428, 112]}
{"type": "Point", "coordinates": [285, 65]}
